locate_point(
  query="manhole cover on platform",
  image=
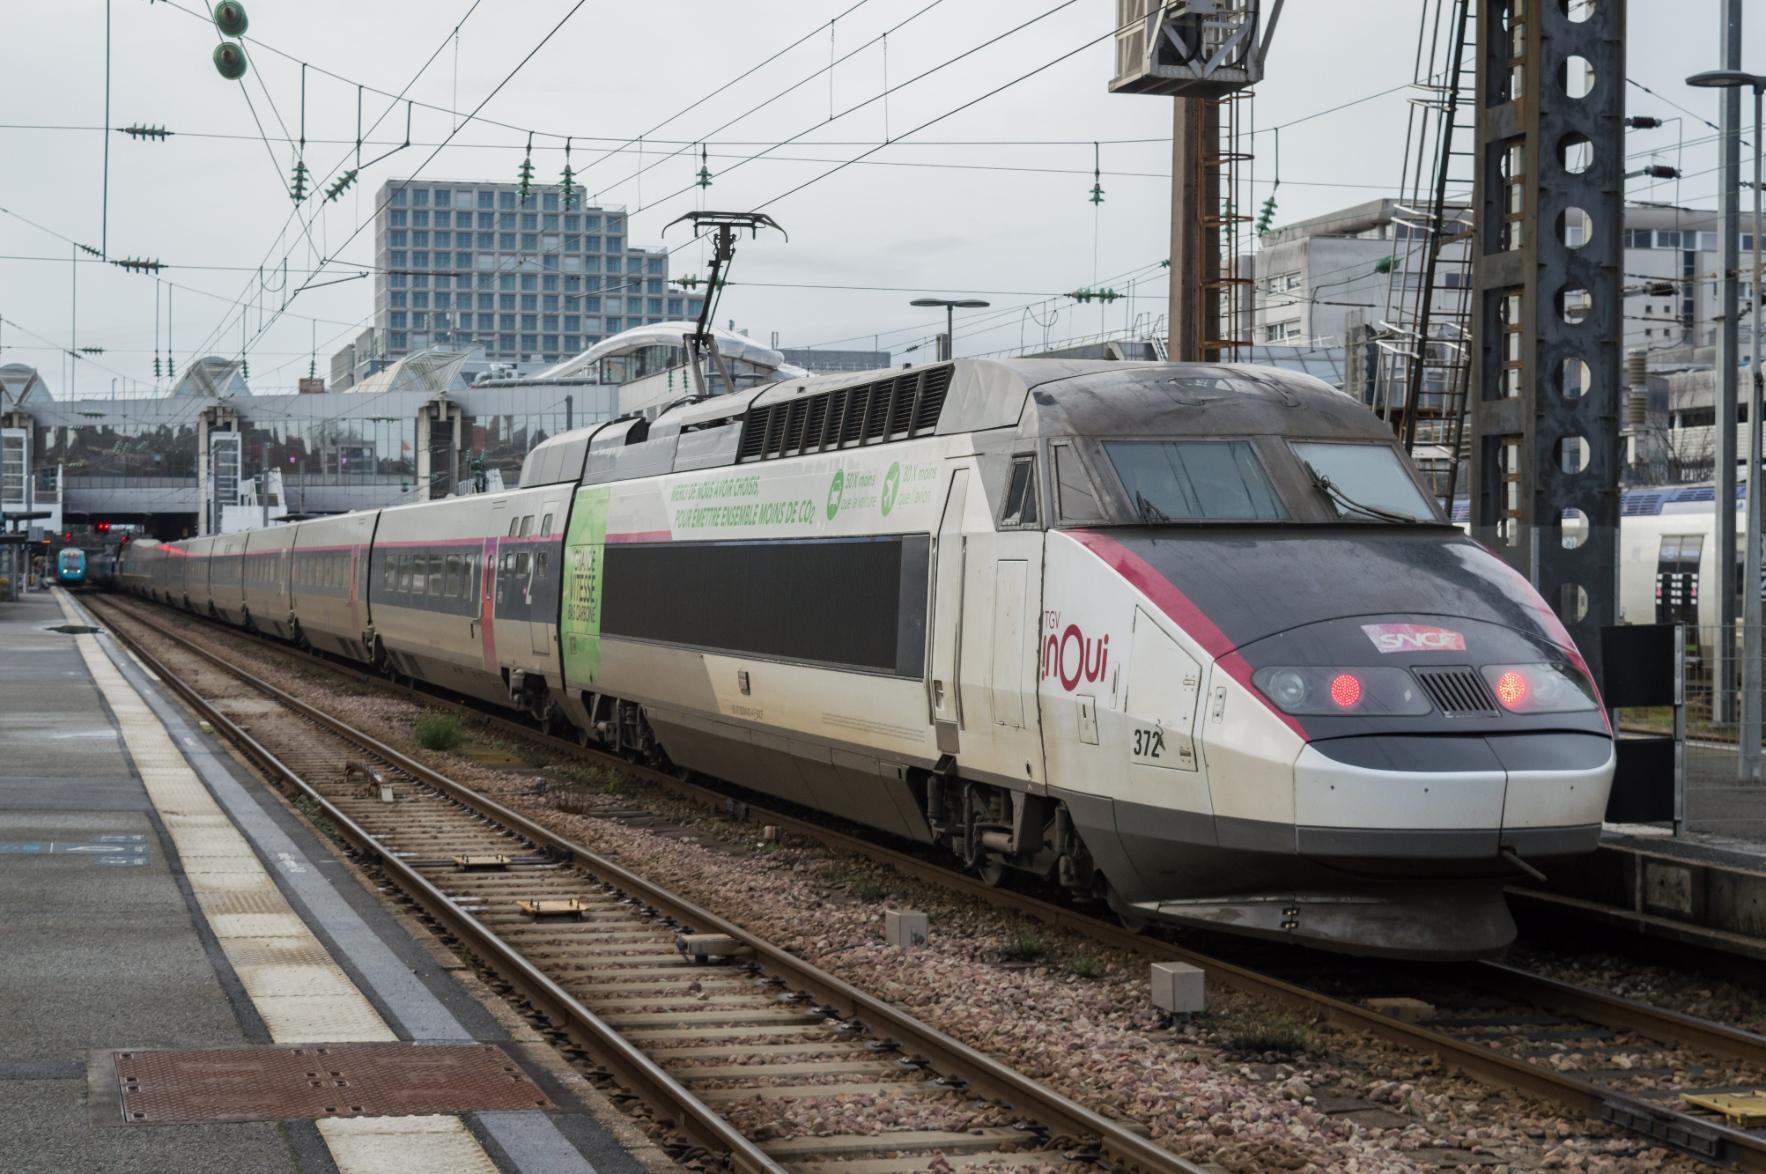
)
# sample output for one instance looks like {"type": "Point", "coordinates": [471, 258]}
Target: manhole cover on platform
{"type": "Point", "coordinates": [356, 1080]}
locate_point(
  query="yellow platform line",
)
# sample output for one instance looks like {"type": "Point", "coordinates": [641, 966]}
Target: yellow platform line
{"type": "Point", "coordinates": [298, 989]}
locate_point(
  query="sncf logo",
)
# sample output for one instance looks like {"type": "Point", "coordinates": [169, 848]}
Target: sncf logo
{"type": "Point", "coordinates": [1414, 638]}
{"type": "Point", "coordinates": [1070, 656]}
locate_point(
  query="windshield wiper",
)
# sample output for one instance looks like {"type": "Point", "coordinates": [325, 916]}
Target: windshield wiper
{"type": "Point", "coordinates": [1150, 513]}
{"type": "Point", "coordinates": [1343, 501]}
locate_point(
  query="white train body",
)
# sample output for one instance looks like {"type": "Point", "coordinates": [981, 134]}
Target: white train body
{"type": "Point", "coordinates": [1104, 623]}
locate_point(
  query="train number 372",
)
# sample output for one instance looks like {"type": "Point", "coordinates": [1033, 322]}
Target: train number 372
{"type": "Point", "coordinates": [1149, 743]}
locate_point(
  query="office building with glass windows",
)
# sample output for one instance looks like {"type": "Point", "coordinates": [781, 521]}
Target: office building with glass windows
{"type": "Point", "coordinates": [467, 266]}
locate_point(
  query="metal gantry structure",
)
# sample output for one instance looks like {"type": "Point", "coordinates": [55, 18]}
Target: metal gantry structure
{"type": "Point", "coordinates": [1547, 302]}
{"type": "Point", "coordinates": [1203, 53]}
{"type": "Point", "coordinates": [1423, 341]}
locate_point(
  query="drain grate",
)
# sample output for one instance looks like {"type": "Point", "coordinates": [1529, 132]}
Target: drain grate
{"type": "Point", "coordinates": [356, 1080]}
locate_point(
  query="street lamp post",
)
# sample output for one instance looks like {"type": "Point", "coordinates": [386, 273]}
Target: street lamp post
{"type": "Point", "coordinates": [947, 345]}
{"type": "Point", "coordinates": [1748, 760]}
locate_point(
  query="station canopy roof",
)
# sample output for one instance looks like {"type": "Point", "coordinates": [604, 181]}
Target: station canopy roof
{"type": "Point", "coordinates": [430, 371]}
{"type": "Point", "coordinates": [213, 377]}
{"type": "Point", "coordinates": [20, 385]}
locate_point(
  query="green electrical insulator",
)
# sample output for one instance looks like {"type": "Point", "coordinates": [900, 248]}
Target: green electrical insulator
{"type": "Point", "coordinates": [704, 180]}
{"type": "Point", "coordinates": [230, 18]}
{"type": "Point", "coordinates": [1097, 177]}
{"type": "Point", "coordinates": [1384, 264]}
{"type": "Point", "coordinates": [1266, 216]}
{"type": "Point", "coordinates": [524, 173]}
{"type": "Point", "coordinates": [245, 368]}
{"type": "Point", "coordinates": [570, 194]}
{"type": "Point", "coordinates": [298, 189]}
{"type": "Point", "coordinates": [342, 185]}
{"type": "Point", "coordinates": [156, 366]}
{"type": "Point", "coordinates": [230, 60]}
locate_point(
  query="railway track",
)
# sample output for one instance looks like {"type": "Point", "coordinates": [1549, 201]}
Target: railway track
{"type": "Point", "coordinates": [1594, 1054]}
{"type": "Point", "coordinates": [727, 1039]}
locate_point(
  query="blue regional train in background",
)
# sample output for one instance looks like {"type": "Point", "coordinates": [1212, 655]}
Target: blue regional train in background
{"type": "Point", "coordinates": [70, 566]}
{"type": "Point", "coordinates": [1192, 640]}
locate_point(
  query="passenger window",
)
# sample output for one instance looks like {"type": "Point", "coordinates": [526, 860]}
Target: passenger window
{"type": "Point", "coordinates": [1073, 492]}
{"type": "Point", "coordinates": [514, 525]}
{"type": "Point", "coordinates": [546, 525]}
{"type": "Point", "coordinates": [387, 570]}
{"type": "Point", "coordinates": [521, 564]}
{"type": "Point", "coordinates": [527, 525]}
{"type": "Point", "coordinates": [1021, 494]}
{"type": "Point", "coordinates": [404, 573]}
{"type": "Point", "coordinates": [453, 579]}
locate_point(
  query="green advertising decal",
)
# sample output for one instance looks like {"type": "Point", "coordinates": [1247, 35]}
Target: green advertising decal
{"type": "Point", "coordinates": [584, 546]}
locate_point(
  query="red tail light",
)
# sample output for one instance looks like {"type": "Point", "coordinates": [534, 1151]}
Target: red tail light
{"type": "Point", "coordinates": [1511, 689]}
{"type": "Point", "coordinates": [1345, 690]}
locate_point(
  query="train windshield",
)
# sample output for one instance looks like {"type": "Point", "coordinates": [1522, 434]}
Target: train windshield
{"type": "Point", "coordinates": [1364, 482]}
{"type": "Point", "coordinates": [1179, 480]}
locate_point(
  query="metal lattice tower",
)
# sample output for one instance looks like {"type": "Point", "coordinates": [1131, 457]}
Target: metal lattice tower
{"type": "Point", "coordinates": [1424, 337]}
{"type": "Point", "coordinates": [1547, 369]}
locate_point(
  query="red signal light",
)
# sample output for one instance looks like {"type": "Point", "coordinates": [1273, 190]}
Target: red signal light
{"type": "Point", "coordinates": [1511, 689]}
{"type": "Point", "coordinates": [1345, 690]}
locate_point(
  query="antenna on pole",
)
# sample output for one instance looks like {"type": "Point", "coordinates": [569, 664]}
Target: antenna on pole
{"type": "Point", "coordinates": [701, 344]}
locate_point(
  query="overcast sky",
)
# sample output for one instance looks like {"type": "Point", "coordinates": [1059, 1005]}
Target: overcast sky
{"type": "Point", "coordinates": [616, 70]}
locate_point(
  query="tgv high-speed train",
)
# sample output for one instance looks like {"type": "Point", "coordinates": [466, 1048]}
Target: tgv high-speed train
{"type": "Point", "coordinates": [1189, 639]}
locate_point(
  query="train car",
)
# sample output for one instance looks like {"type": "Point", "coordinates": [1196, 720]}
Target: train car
{"type": "Point", "coordinates": [198, 585]}
{"type": "Point", "coordinates": [465, 593]}
{"type": "Point", "coordinates": [226, 564]}
{"type": "Point", "coordinates": [328, 584]}
{"type": "Point", "coordinates": [1193, 640]}
{"type": "Point", "coordinates": [70, 567]}
{"type": "Point", "coordinates": [267, 602]}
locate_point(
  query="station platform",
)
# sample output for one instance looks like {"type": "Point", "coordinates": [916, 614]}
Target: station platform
{"type": "Point", "coordinates": [193, 981]}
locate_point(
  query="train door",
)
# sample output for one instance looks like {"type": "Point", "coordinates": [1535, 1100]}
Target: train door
{"type": "Point", "coordinates": [1003, 569]}
{"type": "Point", "coordinates": [947, 616]}
{"type": "Point", "coordinates": [1164, 683]}
{"type": "Point", "coordinates": [543, 585]}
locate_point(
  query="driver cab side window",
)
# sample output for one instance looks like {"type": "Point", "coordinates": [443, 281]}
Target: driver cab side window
{"type": "Point", "coordinates": [1020, 508]}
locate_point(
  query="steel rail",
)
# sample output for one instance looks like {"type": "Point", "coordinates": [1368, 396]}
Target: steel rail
{"type": "Point", "coordinates": [950, 1056]}
{"type": "Point", "coordinates": [1697, 1135]}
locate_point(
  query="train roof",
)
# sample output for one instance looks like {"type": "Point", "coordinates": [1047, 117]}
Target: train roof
{"type": "Point", "coordinates": [1038, 397]}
